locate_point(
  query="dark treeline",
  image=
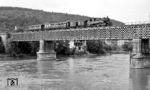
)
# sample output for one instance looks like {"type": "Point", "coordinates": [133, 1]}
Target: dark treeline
{"type": "Point", "coordinates": [16, 49]}
{"type": "Point", "coordinates": [19, 48]}
{"type": "Point", "coordinates": [61, 48]}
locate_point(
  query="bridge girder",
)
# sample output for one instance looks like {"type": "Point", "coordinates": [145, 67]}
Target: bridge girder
{"type": "Point", "coordinates": [96, 33]}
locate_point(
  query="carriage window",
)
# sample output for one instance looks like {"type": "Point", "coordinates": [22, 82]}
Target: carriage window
{"type": "Point", "coordinates": [76, 23]}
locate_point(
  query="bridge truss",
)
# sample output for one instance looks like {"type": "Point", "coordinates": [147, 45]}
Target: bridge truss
{"type": "Point", "coordinates": [95, 33]}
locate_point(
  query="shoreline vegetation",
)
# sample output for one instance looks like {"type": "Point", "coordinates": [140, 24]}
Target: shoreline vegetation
{"type": "Point", "coordinates": [94, 47]}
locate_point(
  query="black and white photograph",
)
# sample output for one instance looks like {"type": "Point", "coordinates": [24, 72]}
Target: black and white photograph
{"type": "Point", "coordinates": [74, 44]}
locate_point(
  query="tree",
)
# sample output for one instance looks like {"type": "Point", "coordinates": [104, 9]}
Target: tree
{"type": "Point", "coordinates": [96, 47]}
{"type": "Point", "coordinates": [127, 46]}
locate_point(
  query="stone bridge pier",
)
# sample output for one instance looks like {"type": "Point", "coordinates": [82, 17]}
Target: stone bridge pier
{"type": "Point", "coordinates": [46, 50]}
{"type": "Point", "coordinates": [4, 38]}
{"type": "Point", "coordinates": [140, 55]}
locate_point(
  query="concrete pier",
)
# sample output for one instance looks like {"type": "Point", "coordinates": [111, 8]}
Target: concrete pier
{"type": "Point", "coordinates": [46, 51]}
{"type": "Point", "coordinates": [140, 57]}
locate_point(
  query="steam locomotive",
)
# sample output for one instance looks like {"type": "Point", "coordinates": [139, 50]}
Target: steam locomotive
{"type": "Point", "coordinates": [92, 22]}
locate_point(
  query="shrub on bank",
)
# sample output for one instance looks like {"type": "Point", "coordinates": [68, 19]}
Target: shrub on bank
{"type": "Point", "coordinates": [62, 47]}
{"type": "Point", "coordinates": [2, 48]}
{"type": "Point", "coordinates": [127, 46]}
{"type": "Point", "coordinates": [19, 48]}
{"type": "Point", "coordinates": [97, 47]}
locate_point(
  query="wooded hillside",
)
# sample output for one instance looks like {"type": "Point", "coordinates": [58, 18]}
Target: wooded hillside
{"type": "Point", "coordinates": [11, 16]}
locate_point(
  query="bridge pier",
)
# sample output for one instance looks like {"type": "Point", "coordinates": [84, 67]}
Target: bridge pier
{"type": "Point", "coordinates": [46, 51]}
{"type": "Point", "coordinates": [140, 56]}
{"type": "Point", "coordinates": [5, 40]}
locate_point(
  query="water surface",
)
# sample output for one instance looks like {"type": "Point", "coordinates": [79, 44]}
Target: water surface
{"type": "Point", "coordinates": [110, 72]}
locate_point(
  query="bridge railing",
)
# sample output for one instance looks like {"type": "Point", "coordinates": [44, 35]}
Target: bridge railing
{"type": "Point", "coordinates": [138, 23]}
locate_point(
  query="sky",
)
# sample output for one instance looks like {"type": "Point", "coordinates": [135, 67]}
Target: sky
{"type": "Point", "coordinates": [126, 11]}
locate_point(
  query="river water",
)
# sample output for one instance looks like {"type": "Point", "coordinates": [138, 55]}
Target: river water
{"type": "Point", "coordinates": [109, 72]}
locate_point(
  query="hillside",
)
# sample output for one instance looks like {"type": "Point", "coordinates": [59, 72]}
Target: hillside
{"type": "Point", "coordinates": [11, 16]}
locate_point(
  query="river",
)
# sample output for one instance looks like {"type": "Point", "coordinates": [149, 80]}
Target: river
{"type": "Point", "coordinates": [109, 72]}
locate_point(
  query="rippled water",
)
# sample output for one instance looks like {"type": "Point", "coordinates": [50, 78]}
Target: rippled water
{"type": "Point", "coordinates": [74, 73]}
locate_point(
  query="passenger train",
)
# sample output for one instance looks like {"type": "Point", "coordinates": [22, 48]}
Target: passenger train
{"type": "Point", "coordinates": [92, 22]}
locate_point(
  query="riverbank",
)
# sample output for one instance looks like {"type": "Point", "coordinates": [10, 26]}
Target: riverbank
{"type": "Point", "coordinates": [9, 58]}
{"type": "Point", "coordinates": [21, 56]}
{"type": "Point", "coordinates": [119, 52]}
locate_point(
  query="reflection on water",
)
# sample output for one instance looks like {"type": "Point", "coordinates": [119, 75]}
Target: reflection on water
{"type": "Point", "coordinates": [75, 73]}
{"type": "Point", "coordinates": [44, 66]}
{"type": "Point", "coordinates": [140, 79]}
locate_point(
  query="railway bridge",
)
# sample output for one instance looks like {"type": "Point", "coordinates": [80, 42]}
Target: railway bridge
{"type": "Point", "coordinates": [139, 34]}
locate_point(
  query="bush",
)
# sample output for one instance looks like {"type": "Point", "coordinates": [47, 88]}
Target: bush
{"type": "Point", "coordinates": [96, 47]}
{"type": "Point", "coordinates": [34, 47]}
{"type": "Point", "coordinates": [11, 49]}
{"type": "Point", "coordinates": [127, 46]}
{"type": "Point", "coordinates": [2, 48]}
{"type": "Point", "coordinates": [62, 47]}
{"type": "Point", "coordinates": [17, 48]}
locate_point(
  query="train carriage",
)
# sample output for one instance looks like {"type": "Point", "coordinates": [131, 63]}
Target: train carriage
{"type": "Point", "coordinates": [92, 22]}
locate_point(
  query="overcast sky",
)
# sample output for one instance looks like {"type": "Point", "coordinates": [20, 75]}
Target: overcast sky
{"type": "Point", "coordinates": [122, 10]}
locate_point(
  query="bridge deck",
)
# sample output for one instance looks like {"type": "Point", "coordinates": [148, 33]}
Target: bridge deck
{"type": "Point", "coordinates": [84, 34]}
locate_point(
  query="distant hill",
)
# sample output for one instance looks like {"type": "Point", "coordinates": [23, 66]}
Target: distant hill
{"type": "Point", "coordinates": [11, 16]}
